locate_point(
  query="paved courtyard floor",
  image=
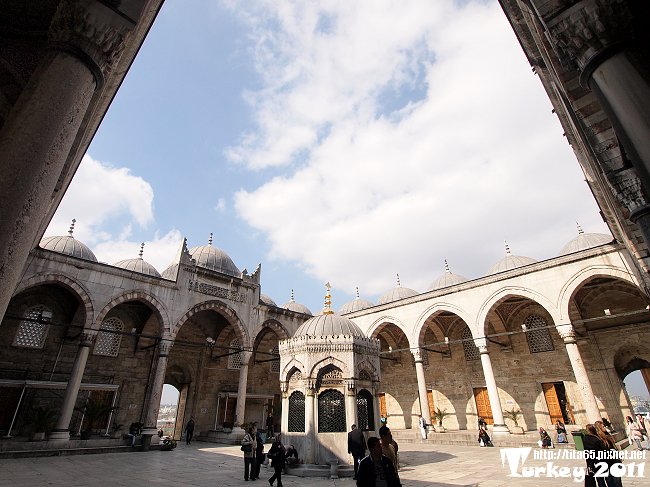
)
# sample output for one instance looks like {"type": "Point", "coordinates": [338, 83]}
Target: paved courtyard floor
{"type": "Point", "coordinates": [202, 464]}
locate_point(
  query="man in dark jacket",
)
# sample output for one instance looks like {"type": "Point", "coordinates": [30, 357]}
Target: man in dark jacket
{"type": "Point", "coordinates": [356, 446]}
{"type": "Point", "coordinates": [376, 467]}
{"type": "Point", "coordinates": [277, 454]}
{"type": "Point", "coordinates": [259, 455]}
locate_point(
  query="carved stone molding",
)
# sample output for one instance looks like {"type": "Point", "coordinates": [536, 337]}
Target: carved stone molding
{"type": "Point", "coordinates": [91, 31]}
{"type": "Point", "coordinates": [87, 338]}
{"type": "Point", "coordinates": [583, 32]}
{"type": "Point", "coordinates": [567, 333]}
{"type": "Point", "coordinates": [628, 189]}
{"type": "Point", "coordinates": [164, 348]}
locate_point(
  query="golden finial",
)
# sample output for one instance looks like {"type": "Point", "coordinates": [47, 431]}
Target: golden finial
{"type": "Point", "coordinates": [141, 249]}
{"type": "Point", "coordinates": [358, 297]}
{"type": "Point", "coordinates": [327, 310]}
{"type": "Point", "coordinates": [292, 300]}
{"type": "Point", "coordinates": [399, 284]}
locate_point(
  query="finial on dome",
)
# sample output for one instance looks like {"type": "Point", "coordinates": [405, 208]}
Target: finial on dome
{"type": "Point", "coordinates": [507, 248]}
{"type": "Point", "coordinates": [327, 310]}
{"type": "Point", "coordinates": [358, 297]}
{"type": "Point", "coordinates": [292, 300]}
{"type": "Point", "coordinates": [580, 231]}
{"type": "Point", "coordinates": [71, 230]}
{"type": "Point", "coordinates": [141, 250]}
{"type": "Point", "coordinates": [399, 284]}
{"type": "Point", "coordinates": [210, 239]}
{"type": "Point", "coordinates": [447, 267]}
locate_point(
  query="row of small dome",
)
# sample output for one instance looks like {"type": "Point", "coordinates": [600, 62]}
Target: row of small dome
{"type": "Point", "coordinates": [215, 259]}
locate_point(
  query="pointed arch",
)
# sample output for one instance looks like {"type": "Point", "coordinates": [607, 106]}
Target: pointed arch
{"type": "Point", "coordinates": [422, 322]}
{"type": "Point", "coordinates": [339, 364]}
{"type": "Point", "coordinates": [278, 328]}
{"type": "Point", "coordinates": [223, 309]}
{"type": "Point", "coordinates": [142, 296]}
{"type": "Point", "coordinates": [289, 369]}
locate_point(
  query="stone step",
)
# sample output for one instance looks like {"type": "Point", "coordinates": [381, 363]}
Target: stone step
{"type": "Point", "coordinates": [303, 470]}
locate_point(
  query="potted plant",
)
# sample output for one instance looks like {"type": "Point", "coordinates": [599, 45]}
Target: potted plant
{"type": "Point", "coordinates": [514, 415]}
{"type": "Point", "coordinates": [93, 411]}
{"type": "Point", "coordinates": [440, 415]}
{"type": "Point", "coordinates": [42, 420]}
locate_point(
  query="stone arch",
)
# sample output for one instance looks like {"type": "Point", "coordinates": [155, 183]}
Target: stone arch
{"type": "Point", "coordinates": [437, 308]}
{"type": "Point", "coordinates": [137, 295]}
{"type": "Point", "coordinates": [225, 311]}
{"type": "Point", "coordinates": [313, 374]}
{"type": "Point", "coordinates": [504, 293]}
{"type": "Point", "coordinates": [374, 329]}
{"type": "Point", "coordinates": [579, 278]}
{"type": "Point", "coordinates": [288, 370]}
{"type": "Point", "coordinates": [67, 282]}
{"type": "Point", "coordinates": [630, 356]}
{"type": "Point", "coordinates": [277, 327]}
{"type": "Point", "coordinates": [366, 366]}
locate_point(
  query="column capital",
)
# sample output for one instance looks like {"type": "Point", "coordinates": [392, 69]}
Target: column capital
{"type": "Point", "coordinates": [482, 345]}
{"type": "Point", "coordinates": [417, 355]}
{"type": "Point", "coordinates": [628, 189]}
{"type": "Point", "coordinates": [351, 386]}
{"type": "Point", "coordinates": [164, 348]}
{"type": "Point", "coordinates": [585, 32]}
{"type": "Point", "coordinates": [567, 333]}
{"type": "Point", "coordinates": [87, 338]}
{"type": "Point", "coordinates": [284, 386]}
{"type": "Point", "coordinates": [91, 31]}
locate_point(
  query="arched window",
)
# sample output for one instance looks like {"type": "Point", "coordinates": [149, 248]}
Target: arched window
{"type": "Point", "coordinates": [275, 364]}
{"type": "Point", "coordinates": [234, 360]}
{"type": "Point", "coordinates": [108, 342]}
{"type": "Point", "coordinates": [297, 412]}
{"type": "Point", "coordinates": [538, 336]}
{"type": "Point", "coordinates": [469, 347]}
{"type": "Point", "coordinates": [365, 411]}
{"type": "Point", "coordinates": [331, 412]}
{"type": "Point", "coordinates": [32, 330]}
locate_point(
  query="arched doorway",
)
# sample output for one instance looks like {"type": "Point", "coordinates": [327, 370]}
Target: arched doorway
{"type": "Point", "coordinates": [168, 415]}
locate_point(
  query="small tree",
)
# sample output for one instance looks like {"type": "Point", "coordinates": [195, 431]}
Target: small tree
{"type": "Point", "coordinates": [440, 414]}
{"type": "Point", "coordinates": [514, 415]}
{"type": "Point", "coordinates": [93, 411]}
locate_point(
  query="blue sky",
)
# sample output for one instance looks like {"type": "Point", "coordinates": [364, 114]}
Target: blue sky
{"type": "Point", "coordinates": [331, 141]}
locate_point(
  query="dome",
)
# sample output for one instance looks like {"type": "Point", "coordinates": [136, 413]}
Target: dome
{"type": "Point", "coordinates": [585, 241]}
{"type": "Point", "coordinates": [447, 279]}
{"type": "Point", "coordinates": [138, 265]}
{"type": "Point", "coordinates": [171, 272]}
{"type": "Point", "coordinates": [68, 245]}
{"type": "Point", "coordinates": [510, 262]}
{"type": "Point", "coordinates": [297, 307]}
{"type": "Point", "coordinates": [396, 294]}
{"type": "Point", "coordinates": [214, 259]}
{"type": "Point", "coordinates": [356, 304]}
{"type": "Point", "coordinates": [264, 299]}
{"type": "Point", "coordinates": [329, 324]}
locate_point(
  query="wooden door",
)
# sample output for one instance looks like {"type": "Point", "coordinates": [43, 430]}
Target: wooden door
{"type": "Point", "coordinates": [483, 408]}
{"type": "Point", "coordinates": [230, 411]}
{"type": "Point", "coordinates": [552, 401]}
{"type": "Point", "coordinates": [432, 409]}
{"type": "Point", "coordinates": [382, 405]}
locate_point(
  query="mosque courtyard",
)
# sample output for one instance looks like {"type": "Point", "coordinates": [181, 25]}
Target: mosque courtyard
{"type": "Point", "coordinates": [211, 465]}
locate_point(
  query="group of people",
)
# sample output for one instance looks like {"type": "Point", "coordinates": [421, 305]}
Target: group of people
{"type": "Point", "coordinates": [636, 431]}
{"type": "Point", "coordinates": [381, 465]}
{"type": "Point", "coordinates": [599, 442]}
{"type": "Point", "coordinates": [254, 456]}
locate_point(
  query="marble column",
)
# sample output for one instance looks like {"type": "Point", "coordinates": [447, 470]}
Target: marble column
{"type": "Point", "coordinates": [377, 411]}
{"type": "Point", "coordinates": [491, 384]}
{"type": "Point", "coordinates": [150, 430]}
{"type": "Point", "coordinates": [284, 419]}
{"type": "Point", "coordinates": [351, 414]}
{"type": "Point", "coordinates": [84, 39]}
{"type": "Point", "coordinates": [240, 411]}
{"type": "Point", "coordinates": [422, 386]}
{"type": "Point", "coordinates": [567, 332]}
{"type": "Point", "coordinates": [598, 38]}
{"type": "Point", "coordinates": [310, 426]}
{"type": "Point", "coordinates": [62, 430]}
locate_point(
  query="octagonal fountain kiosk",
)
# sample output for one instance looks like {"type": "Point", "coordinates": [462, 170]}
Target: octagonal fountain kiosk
{"type": "Point", "coordinates": [329, 378]}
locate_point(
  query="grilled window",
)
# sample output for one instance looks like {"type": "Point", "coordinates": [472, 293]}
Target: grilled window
{"type": "Point", "coordinates": [469, 347]}
{"type": "Point", "coordinates": [538, 336]}
{"type": "Point", "coordinates": [32, 331]}
{"type": "Point", "coordinates": [235, 359]}
{"type": "Point", "coordinates": [275, 364]}
{"type": "Point", "coordinates": [365, 411]}
{"type": "Point", "coordinates": [297, 412]}
{"type": "Point", "coordinates": [331, 412]}
{"type": "Point", "coordinates": [108, 341]}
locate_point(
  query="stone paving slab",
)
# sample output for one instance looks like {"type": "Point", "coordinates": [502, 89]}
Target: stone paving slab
{"type": "Point", "coordinates": [203, 465]}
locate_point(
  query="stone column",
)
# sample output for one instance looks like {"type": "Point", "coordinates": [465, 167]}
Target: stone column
{"type": "Point", "coordinates": [567, 332]}
{"type": "Point", "coordinates": [62, 432]}
{"type": "Point", "coordinates": [310, 426]}
{"type": "Point", "coordinates": [240, 411]}
{"type": "Point", "coordinates": [284, 419]}
{"type": "Point", "coordinates": [598, 38]}
{"type": "Point", "coordinates": [377, 411]}
{"type": "Point", "coordinates": [422, 386]}
{"type": "Point", "coordinates": [491, 384]}
{"type": "Point", "coordinates": [150, 429]}
{"type": "Point", "coordinates": [35, 142]}
{"type": "Point", "coordinates": [351, 413]}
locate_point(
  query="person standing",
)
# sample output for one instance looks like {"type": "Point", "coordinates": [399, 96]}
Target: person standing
{"type": "Point", "coordinates": [423, 427]}
{"type": "Point", "coordinates": [376, 469]}
{"type": "Point", "coordinates": [189, 431]}
{"type": "Point", "coordinates": [356, 446]}
{"type": "Point", "coordinates": [269, 425]}
{"type": "Point", "coordinates": [594, 450]}
{"type": "Point", "coordinates": [482, 424]}
{"type": "Point", "coordinates": [277, 456]}
{"type": "Point", "coordinates": [249, 447]}
{"type": "Point", "coordinates": [388, 448]}
{"type": "Point", "coordinates": [259, 456]}
{"type": "Point", "coordinates": [560, 429]}
{"type": "Point", "coordinates": [633, 432]}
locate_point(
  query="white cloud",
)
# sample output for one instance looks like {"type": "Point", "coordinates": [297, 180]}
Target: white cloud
{"type": "Point", "coordinates": [414, 132]}
{"type": "Point", "coordinates": [220, 207]}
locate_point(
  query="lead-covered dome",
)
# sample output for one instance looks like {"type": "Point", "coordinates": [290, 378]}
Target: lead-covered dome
{"type": "Point", "coordinates": [357, 304]}
{"type": "Point", "coordinates": [447, 279]}
{"type": "Point", "coordinates": [264, 299]}
{"type": "Point", "coordinates": [138, 265]}
{"type": "Point", "coordinates": [510, 262]}
{"type": "Point", "coordinates": [329, 324]}
{"type": "Point", "coordinates": [68, 245]}
{"type": "Point", "coordinates": [215, 259]}
{"type": "Point", "coordinates": [585, 241]}
{"type": "Point", "coordinates": [297, 307]}
{"type": "Point", "coordinates": [397, 293]}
